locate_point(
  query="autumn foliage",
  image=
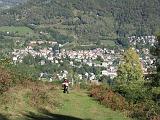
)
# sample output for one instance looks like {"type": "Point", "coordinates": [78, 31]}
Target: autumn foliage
{"type": "Point", "coordinates": [145, 110]}
{"type": "Point", "coordinates": [5, 80]}
{"type": "Point", "coordinates": [108, 97]}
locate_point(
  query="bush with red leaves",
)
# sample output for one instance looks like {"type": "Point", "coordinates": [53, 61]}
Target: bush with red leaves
{"type": "Point", "coordinates": [5, 80]}
{"type": "Point", "coordinates": [146, 110]}
{"type": "Point", "coordinates": [109, 98]}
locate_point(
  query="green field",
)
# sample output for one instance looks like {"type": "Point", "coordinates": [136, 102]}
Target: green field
{"type": "Point", "coordinates": [79, 105]}
{"type": "Point", "coordinates": [21, 30]}
{"type": "Point", "coordinates": [108, 42]}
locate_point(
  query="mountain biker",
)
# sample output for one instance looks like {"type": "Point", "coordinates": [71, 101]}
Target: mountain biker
{"type": "Point", "coordinates": [65, 85]}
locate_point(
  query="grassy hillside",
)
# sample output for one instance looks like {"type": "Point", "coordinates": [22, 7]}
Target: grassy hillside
{"type": "Point", "coordinates": [46, 102]}
{"type": "Point", "coordinates": [91, 21]}
{"type": "Point", "coordinates": [22, 98]}
{"type": "Point", "coordinates": [17, 30]}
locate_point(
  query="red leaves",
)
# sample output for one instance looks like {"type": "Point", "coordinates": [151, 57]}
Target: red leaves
{"type": "Point", "coordinates": [108, 97]}
{"type": "Point", "coordinates": [141, 110]}
{"type": "Point", "coordinates": [5, 80]}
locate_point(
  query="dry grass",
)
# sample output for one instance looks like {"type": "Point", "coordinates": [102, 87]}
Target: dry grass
{"type": "Point", "coordinates": [29, 96]}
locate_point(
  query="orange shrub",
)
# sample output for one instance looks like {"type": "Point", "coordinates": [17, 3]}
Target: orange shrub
{"type": "Point", "coordinates": [40, 96]}
{"type": "Point", "coordinates": [146, 110]}
{"type": "Point", "coordinates": [5, 80]}
{"type": "Point", "coordinates": [109, 98]}
{"type": "Point", "coordinates": [156, 118]}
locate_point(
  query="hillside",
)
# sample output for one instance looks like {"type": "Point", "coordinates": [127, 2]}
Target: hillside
{"type": "Point", "coordinates": [5, 4]}
{"type": "Point", "coordinates": [51, 104]}
{"type": "Point", "coordinates": [91, 21]}
{"type": "Point", "coordinates": [13, 1]}
{"type": "Point", "coordinates": [24, 99]}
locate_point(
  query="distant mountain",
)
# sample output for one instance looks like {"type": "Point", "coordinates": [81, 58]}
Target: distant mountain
{"type": "Point", "coordinates": [88, 20]}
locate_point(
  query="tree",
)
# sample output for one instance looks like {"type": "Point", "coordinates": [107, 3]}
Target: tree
{"type": "Point", "coordinates": [155, 81]}
{"type": "Point", "coordinates": [157, 53]}
{"type": "Point", "coordinates": [130, 81]}
{"type": "Point", "coordinates": [99, 58]}
{"type": "Point", "coordinates": [29, 59]}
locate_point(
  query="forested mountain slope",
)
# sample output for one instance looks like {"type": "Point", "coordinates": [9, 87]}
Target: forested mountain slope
{"type": "Point", "coordinates": [89, 20]}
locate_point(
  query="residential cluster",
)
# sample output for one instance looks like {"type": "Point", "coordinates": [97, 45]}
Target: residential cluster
{"type": "Point", "coordinates": [109, 57]}
{"type": "Point", "coordinates": [143, 40]}
{"type": "Point", "coordinates": [143, 45]}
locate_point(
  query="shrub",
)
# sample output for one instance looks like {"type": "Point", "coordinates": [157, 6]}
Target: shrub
{"type": "Point", "coordinates": [143, 110]}
{"type": "Point", "coordinates": [107, 97]}
{"type": "Point", "coordinates": [5, 80]}
{"type": "Point", "coordinates": [156, 117]}
{"type": "Point", "coordinates": [41, 94]}
{"type": "Point", "coordinates": [83, 85]}
{"type": "Point", "coordinates": [34, 95]}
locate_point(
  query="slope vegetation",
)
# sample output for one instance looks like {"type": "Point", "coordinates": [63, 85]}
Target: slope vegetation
{"type": "Point", "coordinates": [88, 20]}
{"type": "Point", "coordinates": [39, 101]}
